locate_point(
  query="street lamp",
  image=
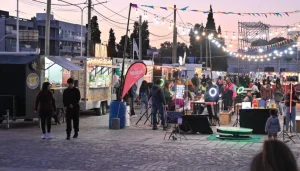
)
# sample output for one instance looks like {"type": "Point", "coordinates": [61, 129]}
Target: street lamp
{"type": "Point", "coordinates": [82, 9]}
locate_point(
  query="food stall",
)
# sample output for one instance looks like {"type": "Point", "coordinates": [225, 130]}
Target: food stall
{"type": "Point", "coordinates": [98, 83]}
{"type": "Point", "coordinates": [20, 75]}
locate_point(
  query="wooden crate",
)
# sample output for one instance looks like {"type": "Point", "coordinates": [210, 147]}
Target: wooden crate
{"type": "Point", "coordinates": [225, 118]}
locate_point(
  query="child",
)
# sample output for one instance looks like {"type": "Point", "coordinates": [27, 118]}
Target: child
{"type": "Point", "coordinates": [273, 125]}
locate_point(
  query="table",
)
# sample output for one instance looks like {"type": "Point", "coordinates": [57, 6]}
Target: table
{"type": "Point", "coordinates": [199, 106]}
{"type": "Point", "coordinates": [254, 119]}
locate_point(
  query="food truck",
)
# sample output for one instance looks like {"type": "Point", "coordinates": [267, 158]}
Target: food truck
{"type": "Point", "coordinates": [95, 84]}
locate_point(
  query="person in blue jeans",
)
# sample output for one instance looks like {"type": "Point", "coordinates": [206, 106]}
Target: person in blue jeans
{"type": "Point", "coordinates": [158, 104]}
{"type": "Point", "coordinates": [291, 111]}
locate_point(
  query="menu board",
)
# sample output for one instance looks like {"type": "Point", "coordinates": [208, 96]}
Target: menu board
{"type": "Point", "coordinates": [179, 91]}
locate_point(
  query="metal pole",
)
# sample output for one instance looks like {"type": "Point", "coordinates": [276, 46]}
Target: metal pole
{"type": "Point", "coordinates": [174, 54]}
{"type": "Point", "coordinates": [17, 34]}
{"type": "Point", "coordinates": [206, 53]}
{"type": "Point", "coordinates": [211, 73]}
{"type": "Point", "coordinates": [81, 29]}
{"type": "Point", "coordinates": [124, 53]}
{"type": "Point", "coordinates": [201, 52]}
{"type": "Point", "coordinates": [140, 39]}
{"type": "Point", "coordinates": [89, 28]}
{"type": "Point", "coordinates": [47, 34]}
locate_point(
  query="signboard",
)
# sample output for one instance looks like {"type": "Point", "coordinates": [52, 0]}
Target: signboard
{"type": "Point", "coordinates": [100, 51]}
{"type": "Point", "coordinates": [33, 81]}
{"type": "Point", "coordinates": [134, 73]}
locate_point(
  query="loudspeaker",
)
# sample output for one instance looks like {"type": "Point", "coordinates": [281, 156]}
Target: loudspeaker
{"type": "Point", "coordinates": [196, 123]}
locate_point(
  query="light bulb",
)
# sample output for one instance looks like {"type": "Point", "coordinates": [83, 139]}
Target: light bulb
{"type": "Point", "coordinates": [274, 57]}
{"type": "Point", "coordinates": [136, 11]}
{"type": "Point", "coordinates": [196, 32]}
{"type": "Point", "coordinates": [291, 52]}
{"type": "Point", "coordinates": [289, 30]}
{"type": "Point", "coordinates": [219, 36]}
{"type": "Point", "coordinates": [246, 48]}
{"type": "Point", "coordinates": [260, 50]}
{"type": "Point", "coordinates": [268, 59]}
{"type": "Point", "coordinates": [257, 36]}
{"type": "Point", "coordinates": [249, 37]}
{"type": "Point", "coordinates": [163, 22]}
{"type": "Point", "coordinates": [271, 33]}
{"type": "Point", "coordinates": [282, 31]}
{"type": "Point", "coordinates": [203, 33]}
{"type": "Point", "coordinates": [230, 45]}
{"type": "Point", "coordinates": [241, 36]}
{"type": "Point", "coordinates": [197, 37]}
{"type": "Point", "coordinates": [233, 37]}
{"type": "Point", "coordinates": [264, 35]}
{"type": "Point", "coordinates": [170, 27]}
{"type": "Point", "coordinates": [276, 32]}
{"type": "Point", "coordinates": [226, 36]}
{"type": "Point", "coordinates": [294, 27]}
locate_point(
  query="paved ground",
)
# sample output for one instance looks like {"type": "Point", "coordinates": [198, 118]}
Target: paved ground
{"type": "Point", "coordinates": [136, 148]}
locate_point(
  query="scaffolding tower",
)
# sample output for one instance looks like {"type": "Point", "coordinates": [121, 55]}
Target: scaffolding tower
{"type": "Point", "coordinates": [251, 31]}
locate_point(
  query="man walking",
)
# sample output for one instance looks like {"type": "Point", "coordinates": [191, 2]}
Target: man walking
{"type": "Point", "coordinates": [158, 104]}
{"type": "Point", "coordinates": [71, 98]}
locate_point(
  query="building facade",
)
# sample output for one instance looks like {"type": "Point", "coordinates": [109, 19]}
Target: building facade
{"type": "Point", "coordinates": [65, 37]}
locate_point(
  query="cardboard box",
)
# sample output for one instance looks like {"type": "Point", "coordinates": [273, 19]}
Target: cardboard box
{"type": "Point", "coordinates": [225, 117]}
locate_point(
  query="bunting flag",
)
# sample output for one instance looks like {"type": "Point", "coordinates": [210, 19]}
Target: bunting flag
{"type": "Point", "coordinates": [268, 47]}
{"type": "Point", "coordinates": [255, 14]}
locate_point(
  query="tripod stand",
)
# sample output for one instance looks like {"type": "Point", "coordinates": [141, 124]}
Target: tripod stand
{"type": "Point", "coordinates": [145, 114]}
{"type": "Point", "coordinates": [285, 136]}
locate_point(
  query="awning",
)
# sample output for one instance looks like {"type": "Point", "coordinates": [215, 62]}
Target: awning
{"type": "Point", "coordinates": [65, 63]}
{"type": "Point", "coordinates": [16, 59]}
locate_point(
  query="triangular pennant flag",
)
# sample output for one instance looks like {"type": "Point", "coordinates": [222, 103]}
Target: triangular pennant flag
{"type": "Point", "coordinates": [165, 8]}
{"type": "Point", "coordinates": [150, 6]}
{"type": "Point", "coordinates": [287, 14]}
{"type": "Point", "coordinates": [183, 9]}
{"type": "Point", "coordinates": [134, 5]}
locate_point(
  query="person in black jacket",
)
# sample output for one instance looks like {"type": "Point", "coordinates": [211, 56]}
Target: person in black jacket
{"type": "Point", "coordinates": [71, 98]}
{"type": "Point", "coordinates": [158, 104]}
{"type": "Point", "coordinates": [45, 103]}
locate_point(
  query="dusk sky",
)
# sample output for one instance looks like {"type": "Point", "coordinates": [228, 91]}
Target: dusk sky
{"type": "Point", "coordinates": [229, 23]}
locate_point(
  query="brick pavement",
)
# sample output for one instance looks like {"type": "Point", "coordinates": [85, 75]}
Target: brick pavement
{"type": "Point", "coordinates": [132, 149]}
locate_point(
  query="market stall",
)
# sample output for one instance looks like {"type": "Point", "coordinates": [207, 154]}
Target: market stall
{"type": "Point", "coordinates": [98, 84]}
{"type": "Point", "coordinates": [20, 75]}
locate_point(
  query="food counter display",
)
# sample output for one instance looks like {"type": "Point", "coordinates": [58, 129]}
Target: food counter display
{"type": "Point", "coordinates": [96, 89]}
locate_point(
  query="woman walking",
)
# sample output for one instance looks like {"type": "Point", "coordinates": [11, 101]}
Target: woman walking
{"type": "Point", "coordinates": [45, 103]}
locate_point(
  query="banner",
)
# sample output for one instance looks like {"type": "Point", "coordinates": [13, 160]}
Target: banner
{"type": "Point", "coordinates": [135, 48]}
{"type": "Point", "coordinates": [136, 71]}
{"type": "Point", "coordinates": [254, 14]}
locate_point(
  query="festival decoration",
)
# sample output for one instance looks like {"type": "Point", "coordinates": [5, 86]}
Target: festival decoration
{"type": "Point", "coordinates": [269, 47]}
{"type": "Point", "coordinates": [136, 71]}
{"type": "Point", "coordinates": [254, 14]}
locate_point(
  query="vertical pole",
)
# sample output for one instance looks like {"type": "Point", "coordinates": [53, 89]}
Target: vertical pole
{"type": "Point", "coordinates": [210, 63]}
{"type": "Point", "coordinates": [201, 52]}
{"type": "Point", "coordinates": [47, 35]}
{"type": "Point", "coordinates": [174, 54]}
{"type": "Point", "coordinates": [81, 32]}
{"type": "Point", "coordinates": [124, 53]}
{"type": "Point", "coordinates": [89, 28]}
{"type": "Point", "coordinates": [17, 34]}
{"type": "Point", "coordinates": [140, 39]}
{"type": "Point", "coordinates": [206, 53]}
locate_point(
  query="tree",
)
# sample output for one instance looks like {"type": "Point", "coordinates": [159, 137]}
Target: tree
{"type": "Point", "coordinates": [145, 36]}
{"type": "Point", "coordinates": [95, 35]}
{"type": "Point", "coordinates": [121, 46]}
{"type": "Point", "coordinates": [219, 30]}
{"type": "Point", "coordinates": [166, 49]}
{"type": "Point", "coordinates": [111, 51]}
{"type": "Point", "coordinates": [210, 24]}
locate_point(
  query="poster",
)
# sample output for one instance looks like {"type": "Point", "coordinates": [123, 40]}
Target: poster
{"type": "Point", "coordinates": [65, 76]}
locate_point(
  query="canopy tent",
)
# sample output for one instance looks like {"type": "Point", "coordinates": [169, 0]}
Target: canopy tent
{"type": "Point", "coordinates": [65, 63]}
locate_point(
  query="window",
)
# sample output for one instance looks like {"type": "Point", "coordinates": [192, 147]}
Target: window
{"type": "Point", "coordinates": [9, 29]}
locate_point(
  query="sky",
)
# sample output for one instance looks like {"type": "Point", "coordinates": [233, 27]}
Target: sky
{"type": "Point", "coordinates": [229, 23]}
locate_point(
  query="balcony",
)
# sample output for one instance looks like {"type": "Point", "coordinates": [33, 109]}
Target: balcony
{"type": "Point", "coordinates": [70, 49]}
{"type": "Point", "coordinates": [72, 38]}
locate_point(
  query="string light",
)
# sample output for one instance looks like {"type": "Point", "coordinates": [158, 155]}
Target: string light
{"type": "Point", "coordinates": [233, 37]}
{"type": "Point", "coordinates": [203, 33]}
{"type": "Point", "coordinates": [196, 32]}
{"type": "Point", "coordinates": [198, 37]}
{"type": "Point", "coordinates": [241, 36]}
{"type": "Point", "coordinates": [219, 35]}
